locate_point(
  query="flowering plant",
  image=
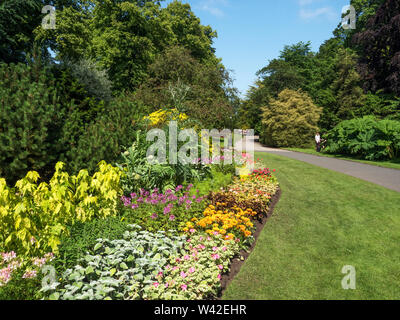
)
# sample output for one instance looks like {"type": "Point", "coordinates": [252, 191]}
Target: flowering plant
{"type": "Point", "coordinates": [233, 223]}
{"type": "Point", "coordinates": [10, 264]}
{"type": "Point", "coordinates": [162, 115]}
{"type": "Point", "coordinates": [163, 211]}
{"type": "Point", "coordinates": [196, 274]}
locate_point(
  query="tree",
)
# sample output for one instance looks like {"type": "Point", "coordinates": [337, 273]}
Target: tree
{"type": "Point", "coordinates": [290, 120]}
{"type": "Point", "coordinates": [205, 99]}
{"type": "Point", "coordinates": [124, 37]}
{"type": "Point", "coordinates": [365, 9]}
{"type": "Point", "coordinates": [250, 111]}
{"type": "Point", "coordinates": [29, 120]}
{"type": "Point", "coordinates": [346, 89]}
{"type": "Point", "coordinates": [379, 48]}
{"type": "Point", "coordinates": [18, 19]}
{"type": "Point", "coordinates": [293, 69]}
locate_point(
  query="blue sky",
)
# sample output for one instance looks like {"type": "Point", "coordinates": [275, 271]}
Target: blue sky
{"type": "Point", "coordinates": [252, 32]}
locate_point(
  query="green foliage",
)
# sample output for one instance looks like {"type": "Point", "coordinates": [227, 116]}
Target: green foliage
{"type": "Point", "coordinates": [365, 138]}
{"type": "Point", "coordinates": [19, 288]}
{"type": "Point", "coordinates": [290, 120]}
{"type": "Point", "coordinates": [293, 69]}
{"type": "Point", "coordinates": [105, 138]}
{"type": "Point", "coordinates": [33, 216]}
{"type": "Point", "coordinates": [20, 279]}
{"type": "Point", "coordinates": [119, 269]}
{"type": "Point", "coordinates": [145, 172]}
{"type": "Point", "coordinates": [82, 237]}
{"type": "Point", "coordinates": [219, 180]}
{"type": "Point", "coordinates": [177, 79]}
{"type": "Point", "coordinates": [124, 37]}
{"type": "Point", "coordinates": [30, 120]}
{"type": "Point", "coordinates": [139, 173]}
{"type": "Point", "coordinates": [94, 80]}
{"type": "Point", "coordinates": [18, 19]}
{"type": "Point", "coordinates": [250, 109]}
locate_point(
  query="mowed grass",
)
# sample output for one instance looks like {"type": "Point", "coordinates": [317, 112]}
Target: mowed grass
{"type": "Point", "coordinates": [324, 221]}
{"type": "Point", "coordinates": [394, 164]}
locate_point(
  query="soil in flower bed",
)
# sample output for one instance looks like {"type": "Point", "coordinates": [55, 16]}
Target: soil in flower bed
{"type": "Point", "coordinates": [237, 262]}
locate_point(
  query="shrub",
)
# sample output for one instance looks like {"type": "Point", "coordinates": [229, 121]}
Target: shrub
{"type": "Point", "coordinates": [33, 217]}
{"type": "Point", "coordinates": [219, 180]}
{"type": "Point", "coordinates": [29, 120]}
{"type": "Point", "coordinates": [20, 278]}
{"type": "Point", "coordinates": [290, 120]}
{"type": "Point", "coordinates": [142, 171]}
{"type": "Point", "coordinates": [94, 79]}
{"type": "Point", "coordinates": [106, 137]}
{"type": "Point", "coordinates": [366, 138]}
{"type": "Point", "coordinates": [163, 211]}
{"type": "Point", "coordinates": [82, 237]}
{"type": "Point", "coordinates": [119, 269]}
{"type": "Point", "coordinates": [196, 274]}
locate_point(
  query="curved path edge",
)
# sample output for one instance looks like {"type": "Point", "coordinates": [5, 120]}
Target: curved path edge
{"type": "Point", "coordinates": [385, 177]}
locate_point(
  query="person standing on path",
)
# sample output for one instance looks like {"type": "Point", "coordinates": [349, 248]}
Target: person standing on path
{"type": "Point", "coordinates": [318, 142]}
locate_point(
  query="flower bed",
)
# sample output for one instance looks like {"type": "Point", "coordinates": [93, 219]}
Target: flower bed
{"type": "Point", "coordinates": [178, 244]}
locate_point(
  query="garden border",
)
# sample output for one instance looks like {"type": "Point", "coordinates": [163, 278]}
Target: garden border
{"type": "Point", "coordinates": [237, 263]}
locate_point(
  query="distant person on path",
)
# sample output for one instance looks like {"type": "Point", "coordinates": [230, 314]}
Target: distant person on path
{"type": "Point", "coordinates": [318, 142]}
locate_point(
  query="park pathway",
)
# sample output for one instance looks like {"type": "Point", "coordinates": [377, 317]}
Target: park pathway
{"type": "Point", "coordinates": [386, 177]}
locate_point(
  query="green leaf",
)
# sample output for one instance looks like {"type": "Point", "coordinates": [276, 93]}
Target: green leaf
{"type": "Point", "coordinates": [113, 271]}
{"type": "Point", "coordinates": [123, 266]}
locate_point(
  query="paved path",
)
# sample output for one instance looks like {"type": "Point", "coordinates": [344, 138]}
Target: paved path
{"type": "Point", "coordinates": [386, 177]}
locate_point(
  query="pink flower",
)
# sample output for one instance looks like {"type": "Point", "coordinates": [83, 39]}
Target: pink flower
{"type": "Point", "coordinates": [215, 256]}
{"type": "Point", "coordinates": [186, 257]}
{"type": "Point", "coordinates": [184, 287]}
{"type": "Point", "coordinates": [224, 249]}
{"type": "Point", "coordinates": [215, 249]}
{"type": "Point", "coordinates": [9, 256]}
{"type": "Point", "coordinates": [219, 277]}
{"type": "Point", "coordinates": [192, 230]}
{"type": "Point", "coordinates": [39, 262]}
{"type": "Point", "coordinates": [183, 275]}
{"type": "Point", "coordinates": [156, 284]}
{"type": "Point", "coordinates": [29, 274]}
{"type": "Point", "coordinates": [220, 267]}
{"type": "Point", "coordinates": [172, 217]}
{"type": "Point", "coordinates": [154, 216]}
{"type": "Point", "coordinates": [192, 270]}
{"type": "Point", "coordinates": [5, 275]}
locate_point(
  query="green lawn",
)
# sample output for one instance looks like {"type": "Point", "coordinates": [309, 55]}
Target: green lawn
{"type": "Point", "coordinates": [324, 221]}
{"type": "Point", "coordinates": [395, 164]}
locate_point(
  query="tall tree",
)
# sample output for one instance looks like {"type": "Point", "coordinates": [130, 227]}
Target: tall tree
{"type": "Point", "coordinates": [203, 87]}
{"type": "Point", "coordinates": [379, 48]}
{"type": "Point", "coordinates": [18, 19]}
{"type": "Point", "coordinates": [124, 37]}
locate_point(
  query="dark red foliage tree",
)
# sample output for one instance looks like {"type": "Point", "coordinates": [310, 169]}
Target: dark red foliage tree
{"type": "Point", "coordinates": [379, 49]}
